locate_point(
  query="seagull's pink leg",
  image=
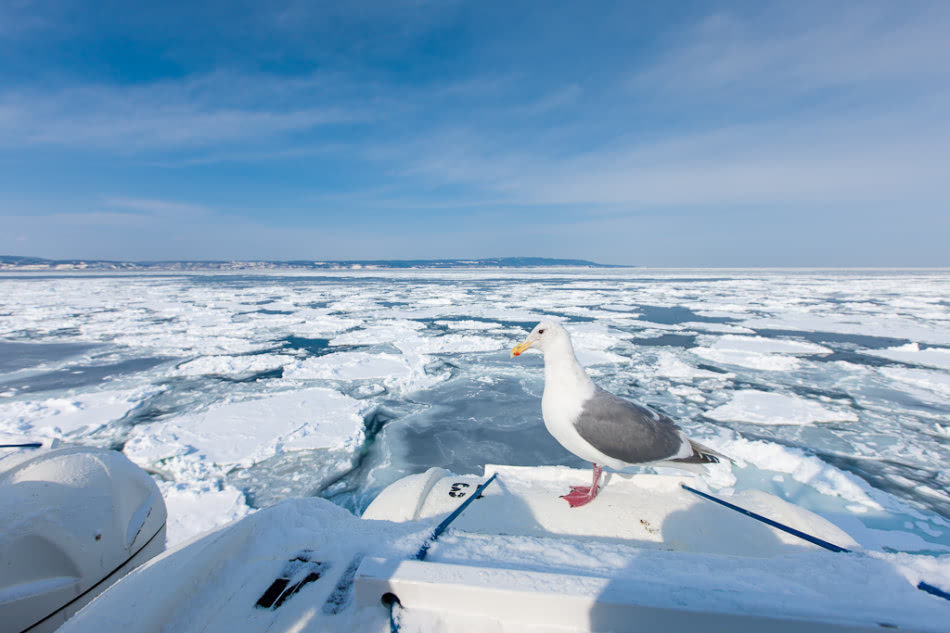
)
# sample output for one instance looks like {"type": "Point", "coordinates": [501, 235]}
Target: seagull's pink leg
{"type": "Point", "coordinates": [582, 495]}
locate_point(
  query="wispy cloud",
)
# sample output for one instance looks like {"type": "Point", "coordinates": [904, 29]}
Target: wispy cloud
{"type": "Point", "coordinates": [419, 115]}
{"type": "Point", "coordinates": [221, 108]}
{"type": "Point", "coordinates": [844, 147]}
{"type": "Point", "coordinates": [20, 17]}
{"type": "Point", "coordinates": [159, 208]}
{"type": "Point", "coordinates": [791, 48]}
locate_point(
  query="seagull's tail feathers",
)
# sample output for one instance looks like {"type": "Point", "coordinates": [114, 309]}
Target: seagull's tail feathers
{"type": "Point", "coordinates": [701, 455]}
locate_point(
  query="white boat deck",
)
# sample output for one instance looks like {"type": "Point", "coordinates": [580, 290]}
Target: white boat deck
{"type": "Point", "coordinates": [644, 556]}
{"type": "Point", "coordinates": [646, 511]}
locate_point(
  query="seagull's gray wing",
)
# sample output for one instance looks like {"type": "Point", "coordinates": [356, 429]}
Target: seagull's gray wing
{"type": "Point", "coordinates": [626, 431]}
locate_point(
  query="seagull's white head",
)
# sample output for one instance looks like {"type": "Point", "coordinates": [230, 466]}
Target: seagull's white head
{"type": "Point", "coordinates": [546, 336]}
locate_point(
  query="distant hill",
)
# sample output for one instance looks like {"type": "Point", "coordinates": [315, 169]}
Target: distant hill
{"type": "Point", "coordinates": [16, 263]}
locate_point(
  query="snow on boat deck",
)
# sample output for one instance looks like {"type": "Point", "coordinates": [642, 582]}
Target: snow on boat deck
{"type": "Point", "coordinates": [685, 555]}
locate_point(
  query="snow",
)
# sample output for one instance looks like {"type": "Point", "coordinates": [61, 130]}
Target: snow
{"type": "Point", "coordinates": [802, 467]}
{"type": "Point", "coordinates": [765, 407]}
{"type": "Point", "coordinates": [469, 325]}
{"type": "Point", "coordinates": [449, 344]}
{"type": "Point", "coordinates": [936, 381]}
{"type": "Point", "coordinates": [911, 353]}
{"type": "Point", "coordinates": [422, 354]}
{"type": "Point", "coordinates": [592, 342]}
{"type": "Point", "coordinates": [196, 508]}
{"type": "Point", "coordinates": [382, 331]}
{"type": "Point", "coordinates": [232, 366]}
{"type": "Point", "coordinates": [756, 352]}
{"type": "Point", "coordinates": [673, 367]}
{"type": "Point", "coordinates": [764, 345]}
{"type": "Point", "coordinates": [752, 360]}
{"type": "Point", "coordinates": [351, 366]}
{"type": "Point", "coordinates": [58, 417]}
{"type": "Point", "coordinates": [403, 373]}
{"type": "Point", "coordinates": [212, 584]}
{"type": "Point", "coordinates": [243, 433]}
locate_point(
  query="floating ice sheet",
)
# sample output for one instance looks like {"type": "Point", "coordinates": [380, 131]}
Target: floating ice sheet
{"type": "Point", "coordinates": [232, 366]}
{"type": "Point", "coordinates": [401, 372]}
{"type": "Point", "coordinates": [912, 354]}
{"type": "Point", "coordinates": [765, 407]}
{"type": "Point", "coordinates": [757, 352]}
{"type": "Point", "coordinates": [243, 433]}
{"type": "Point", "coordinates": [59, 416]}
{"type": "Point", "coordinates": [456, 325]}
{"type": "Point", "coordinates": [671, 366]}
{"type": "Point", "coordinates": [752, 360]}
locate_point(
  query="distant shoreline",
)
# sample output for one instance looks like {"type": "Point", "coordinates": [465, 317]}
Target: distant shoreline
{"type": "Point", "coordinates": [36, 264]}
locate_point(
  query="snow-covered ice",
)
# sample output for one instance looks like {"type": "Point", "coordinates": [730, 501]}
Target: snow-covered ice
{"type": "Point", "coordinates": [241, 390]}
{"type": "Point", "coordinates": [912, 354]}
{"type": "Point", "coordinates": [757, 352]}
{"type": "Point", "coordinates": [232, 366]}
{"type": "Point", "coordinates": [213, 584]}
{"type": "Point", "coordinates": [243, 433]}
{"type": "Point", "coordinates": [197, 507]}
{"type": "Point", "coordinates": [766, 407]}
{"type": "Point", "coordinates": [70, 414]}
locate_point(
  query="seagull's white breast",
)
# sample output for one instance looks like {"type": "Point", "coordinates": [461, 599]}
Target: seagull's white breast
{"type": "Point", "coordinates": [566, 389]}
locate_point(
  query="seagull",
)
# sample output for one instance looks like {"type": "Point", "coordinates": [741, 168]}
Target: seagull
{"type": "Point", "coordinates": [596, 425]}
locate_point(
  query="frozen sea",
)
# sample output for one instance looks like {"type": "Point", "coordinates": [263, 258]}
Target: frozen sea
{"type": "Point", "coordinates": [829, 388]}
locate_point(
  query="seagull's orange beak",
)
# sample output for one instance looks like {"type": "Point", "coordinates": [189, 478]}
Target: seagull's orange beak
{"type": "Point", "coordinates": [520, 347]}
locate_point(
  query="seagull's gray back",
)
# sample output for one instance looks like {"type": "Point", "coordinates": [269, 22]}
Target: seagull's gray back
{"type": "Point", "coordinates": [626, 431]}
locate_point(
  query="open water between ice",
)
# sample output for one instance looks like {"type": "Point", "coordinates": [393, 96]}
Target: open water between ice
{"type": "Point", "coordinates": [829, 388]}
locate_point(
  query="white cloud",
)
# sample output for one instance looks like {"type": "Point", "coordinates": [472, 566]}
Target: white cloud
{"type": "Point", "coordinates": [878, 132]}
{"type": "Point", "coordinates": [164, 208]}
{"type": "Point", "coordinates": [197, 112]}
{"type": "Point", "coordinates": [795, 49]}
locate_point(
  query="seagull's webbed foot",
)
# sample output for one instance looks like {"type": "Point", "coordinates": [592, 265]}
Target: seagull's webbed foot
{"type": "Point", "coordinates": [579, 496]}
{"type": "Point", "coordinates": [582, 495]}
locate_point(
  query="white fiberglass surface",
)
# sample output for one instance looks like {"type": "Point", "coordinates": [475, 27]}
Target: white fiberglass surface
{"type": "Point", "coordinates": [830, 389]}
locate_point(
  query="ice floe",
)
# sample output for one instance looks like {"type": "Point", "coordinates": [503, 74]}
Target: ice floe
{"type": "Point", "coordinates": [592, 342]}
{"type": "Point", "coordinates": [673, 367]}
{"type": "Point", "coordinates": [401, 372]}
{"type": "Point", "coordinates": [232, 366]}
{"type": "Point", "coordinates": [243, 433]}
{"type": "Point", "coordinates": [469, 325]}
{"type": "Point", "coordinates": [757, 352]}
{"type": "Point", "coordinates": [911, 354]}
{"type": "Point", "coordinates": [414, 342]}
{"type": "Point", "coordinates": [81, 412]}
{"type": "Point", "coordinates": [929, 384]}
{"type": "Point", "coordinates": [751, 360]}
{"type": "Point", "coordinates": [770, 408]}
{"type": "Point", "coordinates": [763, 345]}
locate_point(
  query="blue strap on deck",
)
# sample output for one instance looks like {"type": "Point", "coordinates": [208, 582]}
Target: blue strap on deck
{"type": "Point", "coordinates": [923, 586]}
{"type": "Point", "coordinates": [424, 550]}
{"type": "Point", "coordinates": [937, 591]}
{"type": "Point", "coordinates": [780, 526]}
{"type": "Point", "coordinates": [441, 527]}
{"type": "Point", "coordinates": [26, 445]}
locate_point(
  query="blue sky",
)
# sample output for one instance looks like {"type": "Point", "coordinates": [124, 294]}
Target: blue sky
{"type": "Point", "coordinates": [646, 133]}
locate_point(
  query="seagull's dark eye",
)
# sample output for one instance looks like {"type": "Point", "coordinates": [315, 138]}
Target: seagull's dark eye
{"type": "Point", "coordinates": [540, 331]}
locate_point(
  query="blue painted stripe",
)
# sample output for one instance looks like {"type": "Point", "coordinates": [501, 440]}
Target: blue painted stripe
{"type": "Point", "coordinates": [27, 445]}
